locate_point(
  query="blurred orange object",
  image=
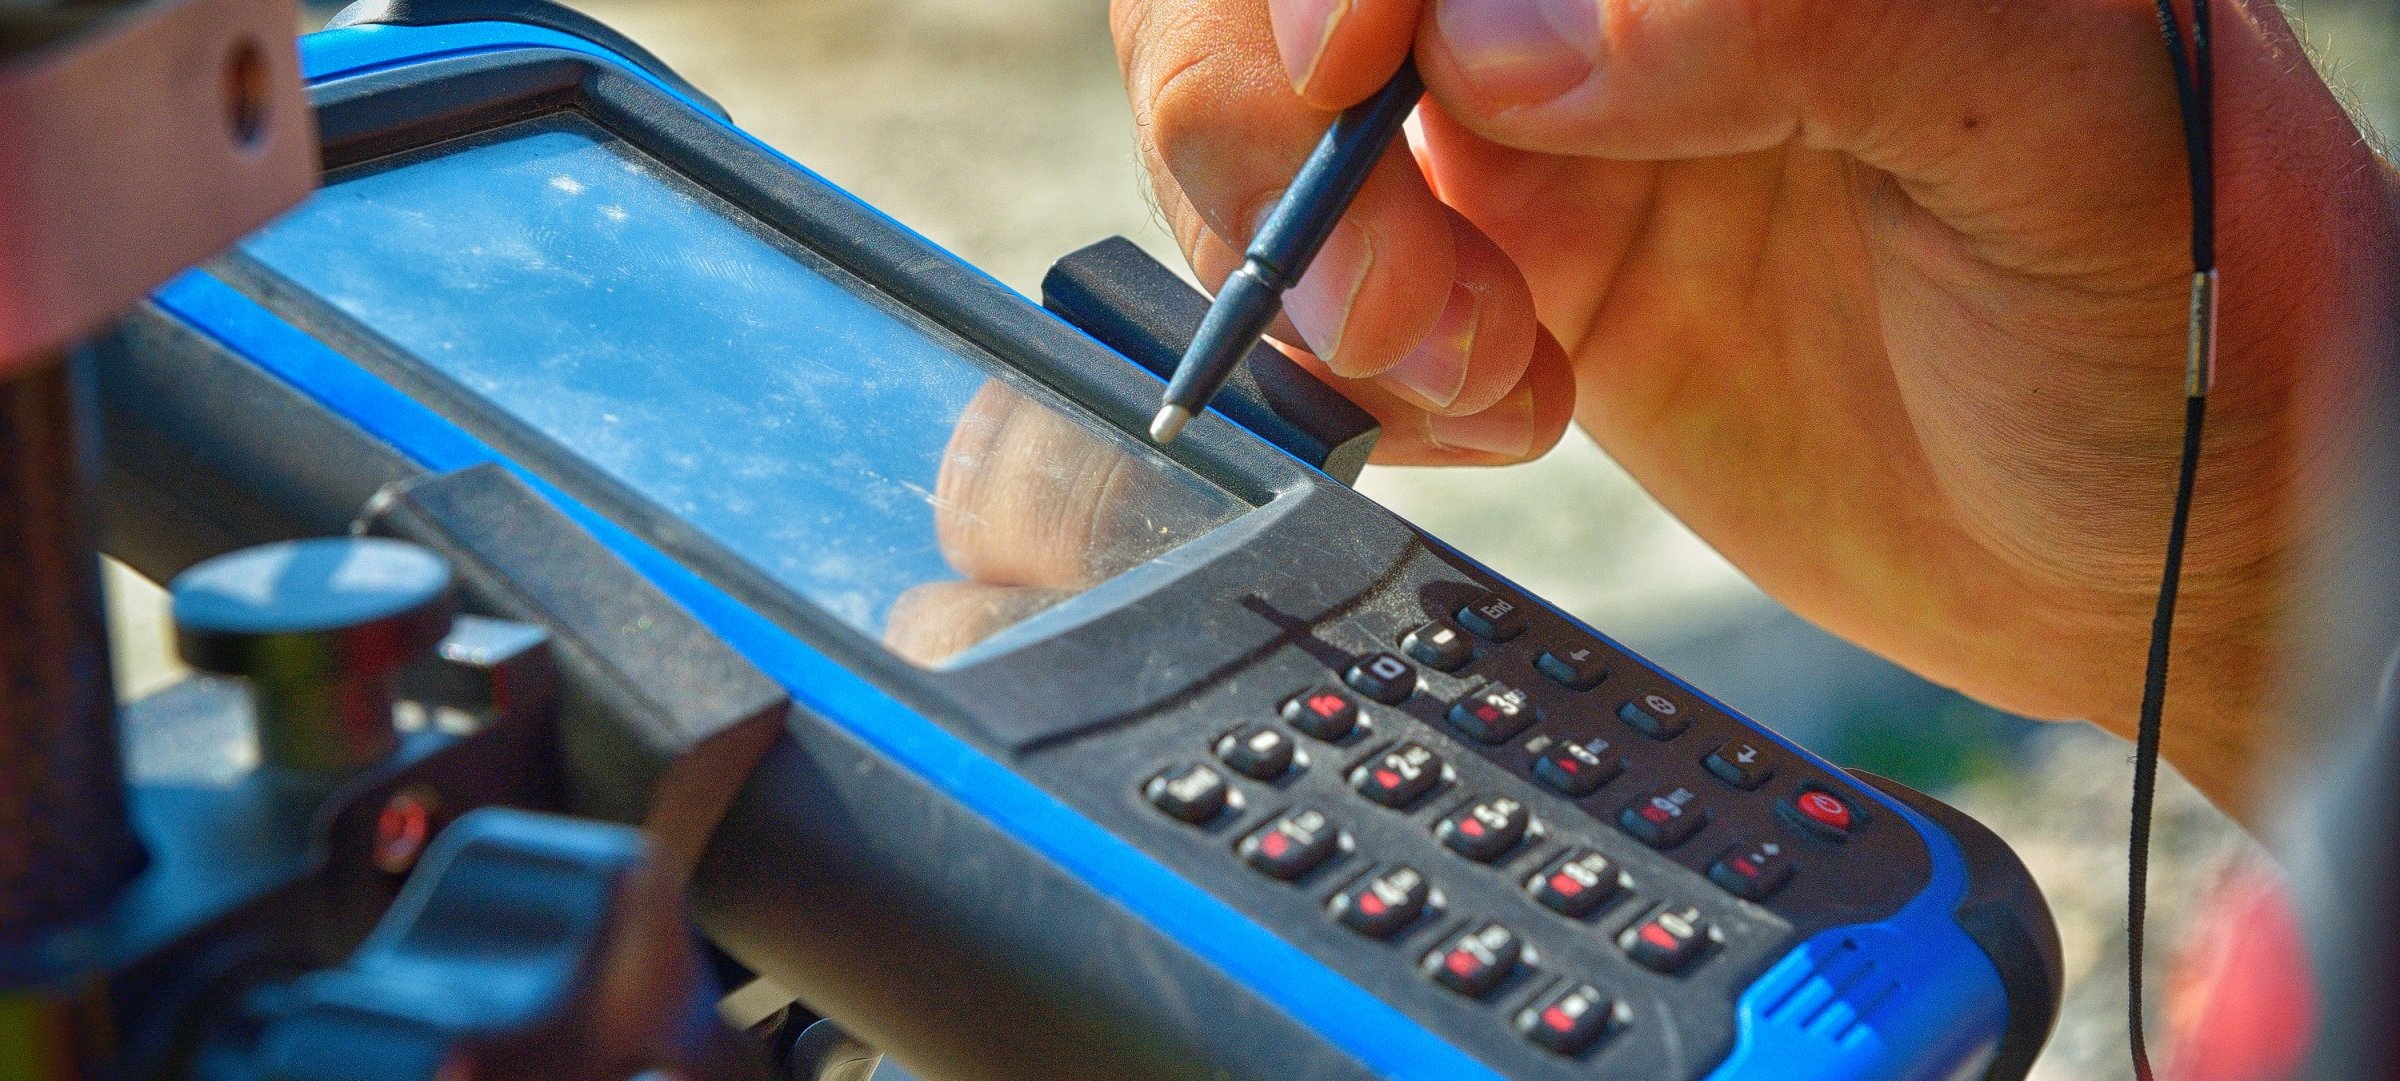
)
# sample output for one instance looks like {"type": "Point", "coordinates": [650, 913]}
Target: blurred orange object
{"type": "Point", "coordinates": [2241, 1005]}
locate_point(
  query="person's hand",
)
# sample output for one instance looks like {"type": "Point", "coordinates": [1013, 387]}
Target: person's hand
{"type": "Point", "coordinates": [1885, 298]}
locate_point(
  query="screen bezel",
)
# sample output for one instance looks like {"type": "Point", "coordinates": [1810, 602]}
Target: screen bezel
{"type": "Point", "coordinates": [1032, 692]}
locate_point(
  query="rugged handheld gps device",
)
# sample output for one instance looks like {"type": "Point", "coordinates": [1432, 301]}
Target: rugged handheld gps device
{"type": "Point", "coordinates": [1104, 760]}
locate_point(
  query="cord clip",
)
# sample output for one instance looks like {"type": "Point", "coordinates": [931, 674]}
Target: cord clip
{"type": "Point", "coordinates": [2200, 359]}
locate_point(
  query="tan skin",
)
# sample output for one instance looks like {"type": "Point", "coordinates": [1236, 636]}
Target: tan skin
{"type": "Point", "coordinates": [1883, 297]}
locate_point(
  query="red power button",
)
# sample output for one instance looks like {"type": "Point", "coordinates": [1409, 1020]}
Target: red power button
{"type": "Point", "coordinates": [1825, 811]}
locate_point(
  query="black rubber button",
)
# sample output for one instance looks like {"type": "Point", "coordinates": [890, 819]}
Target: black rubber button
{"type": "Point", "coordinates": [1383, 677]}
{"type": "Point", "coordinates": [1753, 872]}
{"type": "Point", "coordinates": [1494, 713]}
{"type": "Point", "coordinates": [1493, 617]}
{"type": "Point", "coordinates": [1667, 941]}
{"type": "Point", "coordinates": [1663, 819]}
{"type": "Point", "coordinates": [1740, 763]}
{"type": "Point", "coordinates": [1575, 885]}
{"type": "Point", "coordinates": [1193, 793]}
{"type": "Point", "coordinates": [1477, 961]}
{"type": "Point", "coordinates": [1326, 712]}
{"type": "Point", "coordinates": [1293, 845]}
{"type": "Point", "coordinates": [1382, 903]}
{"type": "Point", "coordinates": [1487, 829]}
{"type": "Point", "coordinates": [1577, 668]}
{"type": "Point", "coordinates": [1398, 777]}
{"type": "Point", "coordinates": [1577, 769]}
{"type": "Point", "coordinates": [1259, 751]}
{"type": "Point", "coordinates": [1655, 716]}
{"type": "Point", "coordinates": [1439, 646]}
{"type": "Point", "coordinates": [1570, 1019]}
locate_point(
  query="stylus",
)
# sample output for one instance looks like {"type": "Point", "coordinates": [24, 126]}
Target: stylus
{"type": "Point", "coordinates": [1284, 247]}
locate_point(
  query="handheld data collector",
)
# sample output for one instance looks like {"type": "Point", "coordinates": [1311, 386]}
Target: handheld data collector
{"type": "Point", "coordinates": [1104, 760]}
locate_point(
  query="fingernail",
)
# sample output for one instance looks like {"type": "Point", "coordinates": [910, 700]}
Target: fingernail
{"type": "Point", "coordinates": [1320, 305]}
{"type": "Point", "coordinates": [1302, 27]}
{"type": "Point", "coordinates": [1520, 52]}
{"type": "Point", "coordinates": [1436, 370]}
{"type": "Point", "coordinates": [1505, 429]}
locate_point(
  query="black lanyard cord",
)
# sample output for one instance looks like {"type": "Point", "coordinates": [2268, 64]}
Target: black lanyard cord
{"type": "Point", "coordinates": [2195, 96]}
{"type": "Point", "coordinates": [2195, 92]}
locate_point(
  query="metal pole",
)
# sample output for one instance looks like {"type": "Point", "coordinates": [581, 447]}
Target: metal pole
{"type": "Point", "coordinates": [66, 845]}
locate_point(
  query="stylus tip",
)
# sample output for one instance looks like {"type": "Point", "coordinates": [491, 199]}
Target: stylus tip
{"type": "Point", "coordinates": [1168, 423]}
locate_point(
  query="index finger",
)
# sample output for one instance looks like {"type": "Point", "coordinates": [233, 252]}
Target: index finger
{"type": "Point", "coordinates": [1390, 296]}
{"type": "Point", "coordinates": [1222, 133]}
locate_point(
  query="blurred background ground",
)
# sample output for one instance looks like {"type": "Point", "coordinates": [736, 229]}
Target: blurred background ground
{"type": "Point", "coordinates": [998, 128]}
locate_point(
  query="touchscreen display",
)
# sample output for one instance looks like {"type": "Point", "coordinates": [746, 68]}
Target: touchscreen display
{"type": "Point", "coordinates": [871, 461]}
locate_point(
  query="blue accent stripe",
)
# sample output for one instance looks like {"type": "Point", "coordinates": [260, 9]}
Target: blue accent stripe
{"type": "Point", "coordinates": [1910, 998]}
{"type": "Point", "coordinates": [1366, 1027]}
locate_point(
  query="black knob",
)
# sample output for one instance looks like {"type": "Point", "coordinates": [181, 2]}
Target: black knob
{"type": "Point", "coordinates": [320, 629]}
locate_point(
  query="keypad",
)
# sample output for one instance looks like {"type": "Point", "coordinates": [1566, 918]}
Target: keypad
{"type": "Point", "coordinates": [1398, 713]}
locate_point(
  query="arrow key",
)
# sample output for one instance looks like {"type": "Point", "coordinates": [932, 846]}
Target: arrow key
{"type": "Point", "coordinates": [1740, 763]}
{"type": "Point", "coordinates": [1577, 668]}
